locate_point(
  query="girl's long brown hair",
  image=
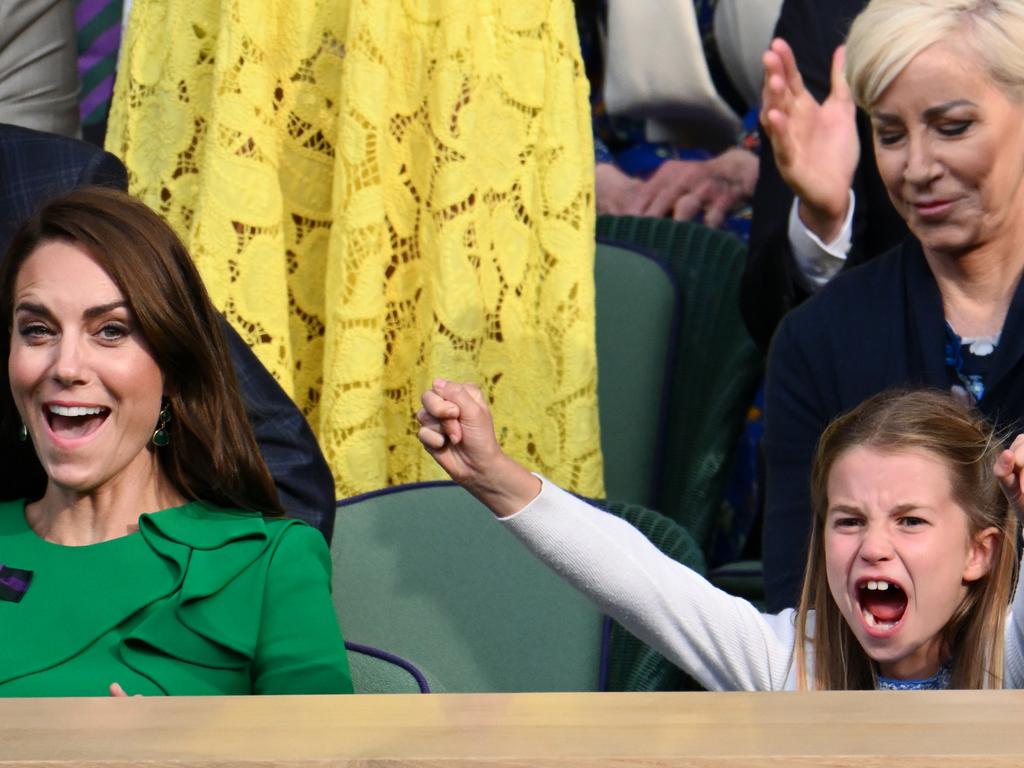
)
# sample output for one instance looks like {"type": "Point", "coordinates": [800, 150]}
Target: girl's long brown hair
{"type": "Point", "coordinates": [212, 455]}
{"type": "Point", "coordinates": [899, 421]}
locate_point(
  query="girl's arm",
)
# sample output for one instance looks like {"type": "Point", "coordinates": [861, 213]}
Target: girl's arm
{"type": "Point", "coordinates": [719, 639]}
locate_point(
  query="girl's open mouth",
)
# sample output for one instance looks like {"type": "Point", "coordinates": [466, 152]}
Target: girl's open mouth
{"type": "Point", "coordinates": [74, 422]}
{"type": "Point", "coordinates": [882, 603]}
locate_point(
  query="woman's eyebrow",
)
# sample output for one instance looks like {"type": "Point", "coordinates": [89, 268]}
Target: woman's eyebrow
{"type": "Point", "coordinates": [33, 307]}
{"type": "Point", "coordinates": [939, 109]}
{"type": "Point", "coordinates": [91, 312]}
{"type": "Point", "coordinates": [102, 309]}
{"type": "Point", "coordinates": [929, 114]}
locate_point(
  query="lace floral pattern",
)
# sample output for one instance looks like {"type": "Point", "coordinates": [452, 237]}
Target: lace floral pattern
{"type": "Point", "coordinates": [377, 192]}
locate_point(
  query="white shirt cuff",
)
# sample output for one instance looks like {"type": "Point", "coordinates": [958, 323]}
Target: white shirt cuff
{"type": "Point", "coordinates": [818, 262]}
{"type": "Point", "coordinates": [545, 484]}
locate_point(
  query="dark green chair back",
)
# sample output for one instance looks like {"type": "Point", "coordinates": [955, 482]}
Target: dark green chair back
{"type": "Point", "coordinates": [425, 571]}
{"type": "Point", "coordinates": [715, 370]}
{"type": "Point", "coordinates": [636, 312]}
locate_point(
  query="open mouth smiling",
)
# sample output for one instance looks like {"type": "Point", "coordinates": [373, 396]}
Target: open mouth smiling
{"type": "Point", "coordinates": [882, 603]}
{"type": "Point", "coordinates": [71, 422]}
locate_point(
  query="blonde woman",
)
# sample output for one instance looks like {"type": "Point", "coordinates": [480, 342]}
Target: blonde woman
{"type": "Point", "coordinates": [943, 84]}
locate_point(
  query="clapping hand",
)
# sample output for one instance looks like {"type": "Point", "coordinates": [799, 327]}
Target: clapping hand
{"type": "Point", "coordinates": [815, 145]}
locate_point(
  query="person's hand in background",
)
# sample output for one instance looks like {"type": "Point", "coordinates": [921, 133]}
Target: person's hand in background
{"type": "Point", "coordinates": [682, 189]}
{"type": "Point", "coordinates": [614, 189]}
{"type": "Point", "coordinates": [815, 145]}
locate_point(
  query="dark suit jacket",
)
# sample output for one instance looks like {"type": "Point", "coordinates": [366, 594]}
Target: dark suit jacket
{"type": "Point", "coordinates": [877, 326]}
{"type": "Point", "coordinates": [770, 285]}
{"type": "Point", "coordinates": [36, 166]}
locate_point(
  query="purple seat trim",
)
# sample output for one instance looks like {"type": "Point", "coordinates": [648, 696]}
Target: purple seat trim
{"type": "Point", "coordinates": [606, 624]}
{"type": "Point", "coordinates": [398, 661]}
{"type": "Point", "coordinates": [395, 489]}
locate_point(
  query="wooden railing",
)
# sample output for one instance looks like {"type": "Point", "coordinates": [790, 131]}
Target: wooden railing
{"type": "Point", "coordinates": [862, 729]}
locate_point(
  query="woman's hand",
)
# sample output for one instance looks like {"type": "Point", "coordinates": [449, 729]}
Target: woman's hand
{"type": "Point", "coordinates": [815, 145]}
{"type": "Point", "coordinates": [614, 189]}
{"type": "Point", "coordinates": [683, 188]}
{"type": "Point", "coordinates": [1009, 471]}
{"type": "Point", "coordinates": [456, 429]}
{"type": "Point", "coordinates": [118, 692]}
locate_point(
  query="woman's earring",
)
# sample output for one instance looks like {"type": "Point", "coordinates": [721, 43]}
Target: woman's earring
{"type": "Point", "coordinates": [161, 436]}
{"type": "Point", "coordinates": [22, 433]}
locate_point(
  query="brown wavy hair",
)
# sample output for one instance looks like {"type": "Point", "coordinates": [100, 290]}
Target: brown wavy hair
{"type": "Point", "coordinates": [899, 421]}
{"type": "Point", "coordinates": [212, 455]}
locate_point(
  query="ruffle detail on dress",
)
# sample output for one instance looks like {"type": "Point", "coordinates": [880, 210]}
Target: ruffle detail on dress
{"type": "Point", "coordinates": [90, 602]}
{"type": "Point", "coordinates": [212, 621]}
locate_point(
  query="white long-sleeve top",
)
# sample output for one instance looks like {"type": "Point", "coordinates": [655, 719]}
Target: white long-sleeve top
{"type": "Point", "coordinates": [723, 641]}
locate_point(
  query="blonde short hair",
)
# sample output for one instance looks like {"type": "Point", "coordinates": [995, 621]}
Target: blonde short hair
{"type": "Point", "coordinates": [889, 33]}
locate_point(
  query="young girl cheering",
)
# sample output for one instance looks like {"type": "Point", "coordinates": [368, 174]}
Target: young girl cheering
{"type": "Point", "coordinates": [911, 567]}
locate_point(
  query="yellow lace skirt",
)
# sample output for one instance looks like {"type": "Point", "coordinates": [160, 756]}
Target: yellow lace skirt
{"type": "Point", "coordinates": [378, 192]}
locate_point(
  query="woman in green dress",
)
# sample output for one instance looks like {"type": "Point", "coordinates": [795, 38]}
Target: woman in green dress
{"type": "Point", "coordinates": [157, 560]}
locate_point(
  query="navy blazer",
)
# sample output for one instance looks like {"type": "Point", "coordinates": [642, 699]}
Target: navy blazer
{"type": "Point", "coordinates": [877, 326]}
{"type": "Point", "coordinates": [36, 166]}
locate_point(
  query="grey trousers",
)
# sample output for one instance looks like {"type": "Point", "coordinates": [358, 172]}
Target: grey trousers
{"type": "Point", "coordinates": [39, 65]}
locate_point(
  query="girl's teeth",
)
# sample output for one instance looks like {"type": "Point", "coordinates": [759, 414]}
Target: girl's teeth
{"type": "Point", "coordinates": [871, 621]}
{"type": "Point", "coordinates": [877, 585]}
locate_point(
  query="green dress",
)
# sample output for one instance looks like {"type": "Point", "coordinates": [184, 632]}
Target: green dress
{"type": "Point", "coordinates": [200, 601]}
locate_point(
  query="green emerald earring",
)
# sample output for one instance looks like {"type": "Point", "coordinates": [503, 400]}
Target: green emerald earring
{"type": "Point", "coordinates": [22, 433]}
{"type": "Point", "coordinates": [161, 436]}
